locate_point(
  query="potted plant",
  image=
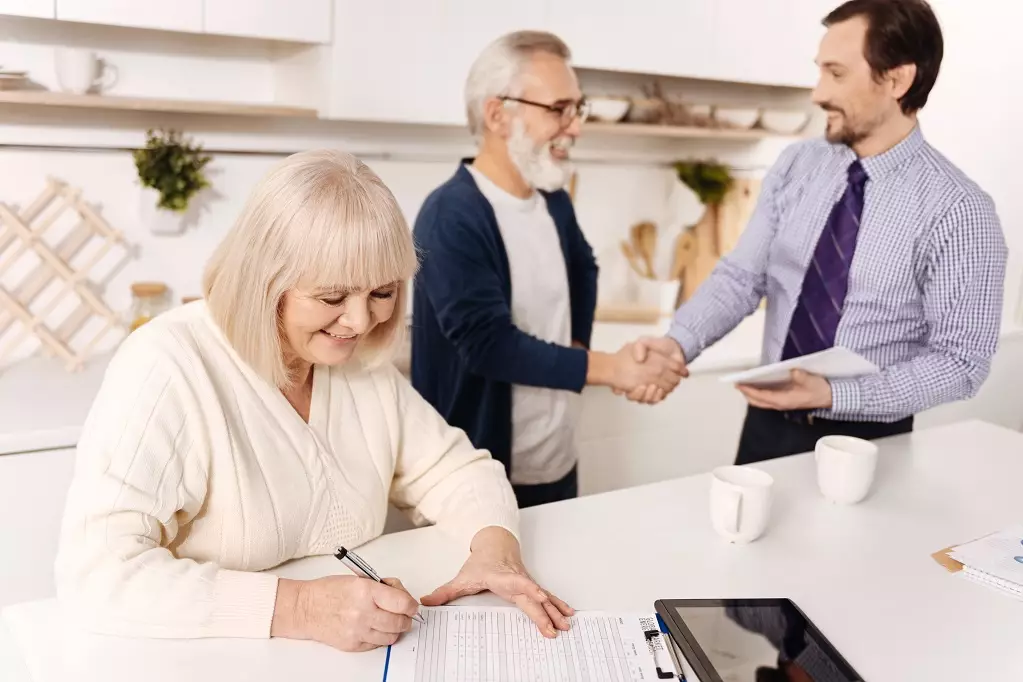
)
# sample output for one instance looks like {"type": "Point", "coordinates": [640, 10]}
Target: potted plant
{"type": "Point", "coordinates": [170, 169]}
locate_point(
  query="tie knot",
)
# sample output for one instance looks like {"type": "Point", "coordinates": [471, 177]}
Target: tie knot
{"type": "Point", "coordinates": [857, 176]}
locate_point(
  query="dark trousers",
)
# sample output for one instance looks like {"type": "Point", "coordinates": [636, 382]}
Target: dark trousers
{"type": "Point", "coordinates": [767, 434]}
{"type": "Point", "coordinates": [562, 489]}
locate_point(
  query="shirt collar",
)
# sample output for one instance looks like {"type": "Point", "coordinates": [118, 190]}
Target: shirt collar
{"type": "Point", "coordinates": [882, 164]}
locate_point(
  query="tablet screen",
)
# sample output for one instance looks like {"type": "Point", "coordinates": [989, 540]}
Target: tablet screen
{"type": "Point", "coordinates": [762, 641]}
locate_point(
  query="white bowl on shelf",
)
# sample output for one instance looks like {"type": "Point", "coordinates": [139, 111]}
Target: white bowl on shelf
{"type": "Point", "coordinates": [737, 117]}
{"type": "Point", "coordinates": [784, 122]}
{"type": "Point", "coordinates": [608, 109]}
{"type": "Point", "coordinates": [704, 110]}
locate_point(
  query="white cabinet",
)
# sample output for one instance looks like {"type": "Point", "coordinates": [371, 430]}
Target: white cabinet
{"type": "Point", "coordinates": [167, 15]}
{"type": "Point", "coordinates": [407, 60]}
{"type": "Point", "coordinates": [44, 9]}
{"type": "Point", "coordinates": [773, 43]}
{"type": "Point", "coordinates": [296, 20]}
{"type": "Point", "coordinates": [753, 41]}
{"type": "Point", "coordinates": [668, 37]}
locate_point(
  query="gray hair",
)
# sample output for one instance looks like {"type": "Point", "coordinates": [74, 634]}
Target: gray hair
{"type": "Point", "coordinates": [496, 71]}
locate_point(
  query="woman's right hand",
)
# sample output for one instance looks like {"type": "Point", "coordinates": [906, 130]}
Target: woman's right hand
{"type": "Point", "coordinates": [346, 612]}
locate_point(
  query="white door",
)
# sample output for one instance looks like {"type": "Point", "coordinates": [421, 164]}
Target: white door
{"type": "Point", "coordinates": [407, 60]}
{"type": "Point", "coordinates": [44, 9]}
{"type": "Point", "coordinates": [305, 21]}
{"type": "Point", "coordinates": [167, 15]}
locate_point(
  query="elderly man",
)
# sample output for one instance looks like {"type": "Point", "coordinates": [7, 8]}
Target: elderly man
{"type": "Point", "coordinates": [504, 300]}
{"type": "Point", "coordinates": [868, 239]}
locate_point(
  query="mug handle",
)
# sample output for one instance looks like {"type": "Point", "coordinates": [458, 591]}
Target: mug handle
{"type": "Point", "coordinates": [108, 77]}
{"type": "Point", "coordinates": [733, 511]}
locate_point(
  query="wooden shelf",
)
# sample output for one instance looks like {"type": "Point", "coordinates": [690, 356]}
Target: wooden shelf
{"type": "Point", "coordinates": [177, 106]}
{"type": "Point", "coordinates": [652, 130]}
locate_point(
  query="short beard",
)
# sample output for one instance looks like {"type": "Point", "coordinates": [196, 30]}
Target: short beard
{"type": "Point", "coordinates": [538, 168]}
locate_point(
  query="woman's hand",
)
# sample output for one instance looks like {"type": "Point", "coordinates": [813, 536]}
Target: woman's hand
{"type": "Point", "coordinates": [495, 564]}
{"type": "Point", "coordinates": [346, 612]}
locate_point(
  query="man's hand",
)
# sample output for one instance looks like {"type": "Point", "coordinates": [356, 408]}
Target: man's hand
{"type": "Point", "coordinates": [657, 375]}
{"type": "Point", "coordinates": [642, 350]}
{"type": "Point", "coordinates": [803, 391]}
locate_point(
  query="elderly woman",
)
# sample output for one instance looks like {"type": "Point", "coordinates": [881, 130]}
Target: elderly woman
{"type": "Point", "coordinates": [265, 424]}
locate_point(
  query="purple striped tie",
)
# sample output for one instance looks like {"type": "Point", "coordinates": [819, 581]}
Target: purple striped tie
{"type": "Point", "coordinates": [815, 319]}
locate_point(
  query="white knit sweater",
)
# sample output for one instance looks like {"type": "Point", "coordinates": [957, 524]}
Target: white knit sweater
{"type": "Point", "coordinates": [192, 474]}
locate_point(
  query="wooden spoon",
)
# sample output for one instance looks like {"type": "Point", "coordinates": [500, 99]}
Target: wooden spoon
{"type": "Point", "coordinates": [630, 255]}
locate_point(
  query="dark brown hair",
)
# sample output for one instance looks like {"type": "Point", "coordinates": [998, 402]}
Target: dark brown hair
{"type": "Point", "coordinates": [899, 32]}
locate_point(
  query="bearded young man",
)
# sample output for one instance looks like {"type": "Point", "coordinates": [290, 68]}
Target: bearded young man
{"type": "Point", "coordinates": [504, 299]}
{"type": "Point", "coordinates": [868, 239]}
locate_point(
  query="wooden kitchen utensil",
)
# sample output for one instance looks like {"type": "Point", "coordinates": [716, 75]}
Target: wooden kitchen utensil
{"type": "Point", "coordinates": [644, 244]}
{"type": "Point", "coordinates": [685, 253]}
{"type": "Point", "coordinates": [54, 265]}
{"type": "Point", "coordinates": [633, 259]}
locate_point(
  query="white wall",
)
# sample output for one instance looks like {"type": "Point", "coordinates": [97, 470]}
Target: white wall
{"type": "Point", "coordinates": [973, 114]}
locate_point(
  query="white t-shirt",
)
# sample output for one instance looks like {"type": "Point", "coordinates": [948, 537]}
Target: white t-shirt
{"type": "Point", "coordinates": [543, 419]}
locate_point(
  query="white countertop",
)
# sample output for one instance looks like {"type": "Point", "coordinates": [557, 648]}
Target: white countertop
{"type": "Point", "coordinates": [863, 574]}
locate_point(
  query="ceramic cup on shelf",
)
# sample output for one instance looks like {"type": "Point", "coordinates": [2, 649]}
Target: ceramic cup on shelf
{"type": "Point", "coordinates": [80, 70]}
{"type": "Point", "coordinates": [845, 468]}
{"type": "Point", "coordinates": [740, 502]}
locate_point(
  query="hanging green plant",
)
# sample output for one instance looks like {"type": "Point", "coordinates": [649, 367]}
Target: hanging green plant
{"type": "Point", "coordinates": [173, 166]}
{"type": "Point", "coordinates": [708, 179]}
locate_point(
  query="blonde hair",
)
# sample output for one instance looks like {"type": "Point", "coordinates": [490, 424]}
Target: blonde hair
{"type": "Point", "coordinates": [320, 218]}
{"type": "Point", "coordinates": [497, 69]}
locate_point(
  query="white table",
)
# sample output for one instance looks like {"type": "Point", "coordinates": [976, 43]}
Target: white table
{"type": "Point", "coordinates": [863, 574]}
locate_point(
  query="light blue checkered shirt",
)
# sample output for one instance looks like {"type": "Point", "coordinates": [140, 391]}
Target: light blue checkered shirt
{"type": "Point", "coordinates": [925, 285]}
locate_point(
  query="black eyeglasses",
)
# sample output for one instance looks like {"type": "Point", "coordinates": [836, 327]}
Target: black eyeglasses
{"type": "Point", "coordinates": [566, 111]}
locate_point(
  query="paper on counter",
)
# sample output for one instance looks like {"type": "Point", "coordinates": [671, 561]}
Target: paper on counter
{"type": "Point", "coordinates": [833, 363]}
{"type": "Point", "coordinates": [459, 644]}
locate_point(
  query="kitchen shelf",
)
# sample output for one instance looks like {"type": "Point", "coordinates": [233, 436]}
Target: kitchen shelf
{"type": "Point", "coordinates": [689, 132]}
{"type": "Point", "coordinates": [178, 106]}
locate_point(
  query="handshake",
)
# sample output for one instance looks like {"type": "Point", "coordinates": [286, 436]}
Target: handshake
{"type": "Point", "coordinates": [645, 371]}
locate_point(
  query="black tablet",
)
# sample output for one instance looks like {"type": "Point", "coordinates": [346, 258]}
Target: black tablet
{"type": "Point", "coordinates": [751, 640]}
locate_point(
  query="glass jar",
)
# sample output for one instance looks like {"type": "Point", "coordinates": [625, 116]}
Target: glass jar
{"type": "Point", "coordinates": [148, 299]}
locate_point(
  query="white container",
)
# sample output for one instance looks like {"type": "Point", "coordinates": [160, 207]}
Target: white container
{"type": "Point", "coordinates": [740, 502]}
{"type": "Point", "coordinates": [79, 71]}
{"type": "Point", "coordinates": [158, 220]}
{"type": "Point", "coordinates": [845, 468]}
{"type": "Point", "coordinates": [608, 109]}
{"type": "Point", "coordinates": [736, 117]}
{"type": "Point", "coordinates": [784, 122]}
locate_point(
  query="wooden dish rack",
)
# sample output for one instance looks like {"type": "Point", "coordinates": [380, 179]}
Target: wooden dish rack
{"type": "Point", "coordinates": [23, 235]}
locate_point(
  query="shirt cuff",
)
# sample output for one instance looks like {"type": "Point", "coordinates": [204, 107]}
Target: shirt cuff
{"type": "Point", "coordinates": [846, 396]}
{"type": "Point", "coordinates": [687, 340]}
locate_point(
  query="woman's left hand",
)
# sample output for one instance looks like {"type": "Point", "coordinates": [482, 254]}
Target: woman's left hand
{"type": "Point", "coordinates": [495, 564]}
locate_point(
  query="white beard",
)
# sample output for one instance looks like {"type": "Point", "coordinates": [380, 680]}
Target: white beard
{"type": "Point", "coordinates": [535, 163]}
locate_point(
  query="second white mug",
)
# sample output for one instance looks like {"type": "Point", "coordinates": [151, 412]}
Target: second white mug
{"type": "Point", "coordinates": [80, 70]}
{"type": "Point", "coordinates": [740, 502]}
{"type": "Point", "coordinates": [845, 468]}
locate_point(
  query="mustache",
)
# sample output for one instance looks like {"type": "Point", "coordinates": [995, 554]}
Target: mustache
{"type": "Point", "coordinates": [827, 106]}
{"type": "Point", "coordinates": [563, 143]}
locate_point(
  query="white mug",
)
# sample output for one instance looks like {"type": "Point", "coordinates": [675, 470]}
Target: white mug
{"type": "Point", "coordinates": [79, 71]}
{"type": "Point", "coordinates": [845, 468]}
{"type": "Point", "coordinates": [740, 502]}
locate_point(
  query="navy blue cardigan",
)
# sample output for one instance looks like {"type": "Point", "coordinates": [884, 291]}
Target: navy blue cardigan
{"type": "Point", "coordinates": [466, 351]}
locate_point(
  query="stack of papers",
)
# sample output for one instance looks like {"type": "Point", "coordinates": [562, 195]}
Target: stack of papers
{"type": "Point", "coordinates": [995, 560]}
{"type": "Point", "coordinates": [833, 363]}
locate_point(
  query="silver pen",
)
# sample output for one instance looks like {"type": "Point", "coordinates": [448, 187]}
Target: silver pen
{"type": "Point", "coordinates": [359, 566]}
